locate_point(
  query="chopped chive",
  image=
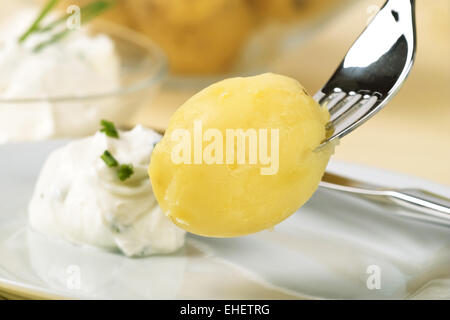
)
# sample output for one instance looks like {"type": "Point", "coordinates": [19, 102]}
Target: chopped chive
{"type": "Point", "coordinates": [108, 158]}
{"type": "Point", "coordinates": [109, 129]}
{"type": "Point", "coordinates": [125, 171]}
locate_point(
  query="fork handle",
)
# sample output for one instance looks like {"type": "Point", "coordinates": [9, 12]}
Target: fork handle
{"type": "Point", "coordinates": [423, 205]}
{"type": "Point", "coordinates": [430, 204]}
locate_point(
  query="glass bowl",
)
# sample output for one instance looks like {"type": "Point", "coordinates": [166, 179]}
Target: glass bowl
{"type": "Point", "coordinates": [142, 68]}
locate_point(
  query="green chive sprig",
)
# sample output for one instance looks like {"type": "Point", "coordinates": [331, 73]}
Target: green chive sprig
{"type": "Point", "coordinates": [109, 160]}
{"type": "Point", "coordinates": [87, 13]}
{"type": "Point", "coordinates": [35, 26]}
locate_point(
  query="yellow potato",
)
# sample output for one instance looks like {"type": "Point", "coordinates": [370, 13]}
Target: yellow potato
{"type": "Point", "coordinates": [199, 37]}
{"type": "Point", "coordinates": [288, 10]}
{"type": "Point", "coordinates": [228, 198]}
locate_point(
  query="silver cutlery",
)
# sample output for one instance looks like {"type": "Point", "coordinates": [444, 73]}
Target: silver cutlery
{"type": "Point", "coordinates": [420, 204]}
{"type": "Point", "coordinates": [369, 76]}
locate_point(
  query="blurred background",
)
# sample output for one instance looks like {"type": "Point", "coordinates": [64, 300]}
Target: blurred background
{"type": "Point", "coordinates": [209, 40]}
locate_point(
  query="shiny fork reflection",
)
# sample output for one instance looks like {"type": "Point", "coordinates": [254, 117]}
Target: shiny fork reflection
{"type": "Point", "coordinates": [373, 69]}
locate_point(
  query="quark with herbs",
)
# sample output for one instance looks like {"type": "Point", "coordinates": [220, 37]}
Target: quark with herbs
{"type": "Point", "coordinates": [96, 191]}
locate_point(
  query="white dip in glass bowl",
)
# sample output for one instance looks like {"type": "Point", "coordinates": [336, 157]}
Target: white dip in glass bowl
{"type": "Point", "coordinates": [102, 71]}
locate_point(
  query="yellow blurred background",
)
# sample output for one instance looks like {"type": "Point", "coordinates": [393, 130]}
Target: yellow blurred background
{"type": "Point", "coordinates": [412, 134]}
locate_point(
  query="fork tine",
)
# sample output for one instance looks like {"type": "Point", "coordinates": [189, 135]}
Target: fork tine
{"type": "Point", "coordinates": [353, 114]}
{"type": "Point", "coordinates": [344, 105]}
{"type": "Point", "coordinates": [332, 99]}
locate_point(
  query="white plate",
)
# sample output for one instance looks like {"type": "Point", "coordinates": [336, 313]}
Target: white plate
{"type": "Point", "coordinates": [323, 251]}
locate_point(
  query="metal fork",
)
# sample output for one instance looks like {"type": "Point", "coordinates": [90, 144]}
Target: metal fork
{"type": "Point", "coordinates": [371, 73]}
{"type": "Point", "coordinates": [373, 69]}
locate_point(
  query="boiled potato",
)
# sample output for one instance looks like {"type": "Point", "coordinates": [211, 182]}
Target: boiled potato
{"type": "Point", "coordinates": [205, 188]}
{"type": "Point", "coordinates": [201, 36]}
{"type": "Point", "coordinates": [288, 10]}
